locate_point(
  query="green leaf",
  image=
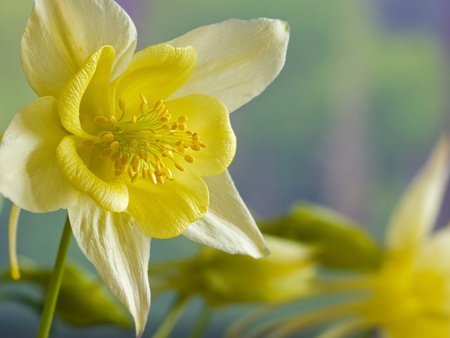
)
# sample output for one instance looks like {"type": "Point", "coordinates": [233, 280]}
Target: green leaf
{"type": "Point", "coordinates": [340, 243]}
{"type": "Point", "coordinates": [82, 300]}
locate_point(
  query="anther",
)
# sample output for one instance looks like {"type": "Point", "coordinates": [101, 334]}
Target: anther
{"type": "Point", "coordinates": [100, 120]}
{"type": "Point", "coordinates": [189, 158]}
{"type": "Point", "coordinates": [182, 119]}
{"type": "Point", "coordinates": [124, 159]}
{"type": "Point", "coordinates": [153, 177]}
{"type": "Point", "coordinates": [122, 104]}
{"type": "Point", "coordinates": [143, 98]}
{"type": "Point", "coordinates": [113, 120]}
{"type": "Point", "coordinates": [105, 153]}
{"type": "Point", "coordinates": [135, 177]}
{"type": "Point", "coordinates": [130, 172]}
{"type": "Point", "coordinates": [179, 166]}
{"type": "Point", "coordinates": [158, 105]}
{"type": "Point", "coordinates": [141, 153]}
{"type": "Point", "coordinates": [160, 179]}
{"type": "Point", "coordinates": [143, 107]}
{"type": "Point", "coordinates": [161, 110]}
{"type": "Point", "coordinates": [169, 174]}
{"type": "Point", "coordinates": [136, 163]}
{"type": "Point", "coordinates": [88, 143]}
{"type": "Point", "coordinates": [106, 136]}
{"type": "Point", "coordinates": [114, 145]}
{"type": "Point", "coordinates": [134, 143]}
{"type": "Point", "coordinates": [144, 173]}
{"type": "Point", "coordinates": [196, 147]}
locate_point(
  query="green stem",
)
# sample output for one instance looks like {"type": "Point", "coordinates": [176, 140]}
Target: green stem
{"type": "Point", "coordinates": [55, 282]}
{"type": "Point", "coordinates": [202, 323]}
{"type": "Point", "coordinates": [171, 319]}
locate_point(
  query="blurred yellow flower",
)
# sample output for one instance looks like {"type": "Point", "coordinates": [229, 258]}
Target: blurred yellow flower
{"type": "Point", "coordinates": [135, 146]}
{"type": "Point", "coordinates": [409, 295]}
{"type": "Point", "coordinates": [222, 279]}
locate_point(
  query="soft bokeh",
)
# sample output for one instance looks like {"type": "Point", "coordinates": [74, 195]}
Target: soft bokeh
{"type": "Point", "coordinates": [358, 106]}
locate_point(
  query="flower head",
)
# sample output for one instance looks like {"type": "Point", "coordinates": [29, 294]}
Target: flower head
{"type": "Point", "coordinates": [224, 279]}
{"type": "Point", "coordinates": [409, 294]}
{"type": "Point", "coordinates": [135, 145]}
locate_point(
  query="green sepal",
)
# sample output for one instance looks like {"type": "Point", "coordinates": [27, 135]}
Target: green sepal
{"type": "Point", "coordinates": [82, 300]}
{"type": "Point", "coordinates": [340, 243]}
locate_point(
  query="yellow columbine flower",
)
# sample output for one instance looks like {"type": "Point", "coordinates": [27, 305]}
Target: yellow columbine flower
{"type": "Point", "coordinates": [135, 146]}
{"type": "Point", "coordinates": [409, 295]}
{"type": "Point", "coordinates": [223, 279]}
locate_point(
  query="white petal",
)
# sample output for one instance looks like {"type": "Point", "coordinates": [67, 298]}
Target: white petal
{"type": "Point", "coordinates": [435, 254]}
{"type": "Point", "coordinates": [237, 59]}
{"type": "Point", "coordinates": [61, 34]}
{"type": "Point", "coordinates": [29, 173]}
{"type": "Point", "coordinates": [227, 225]}
{"type": "Point", "coordinates": [120, 252]}
{"type": "Point", "coordinates": [417, 211]}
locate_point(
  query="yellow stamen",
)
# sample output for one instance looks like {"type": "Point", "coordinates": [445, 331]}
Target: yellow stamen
{"type": "Point", "coordinates": [105, 153]}
{"type": "Point", "coordinates": [100, 120]}
{"type": "Point", "coordinates": [134, 143]}
{"type": "Point", "coordinates": [189, 158]}
{"type": "Point", "coordinates": [113, 120]}
{"type": "Point", "coordinates": [179, 166]}
{"type": "Point", "coordinates": [122, 104]}
{"type": "Point", "coordinates": [143, 98]}
{"type": "Point", "coordinates": [114, 145]}
{"type": "Point", "coordinates": [13, 222]}
{"type": "Point", "coordinates": [158, 105]}
{"type": "Point", "coordinates": [88, 143]}
{"type": "Point", "coordinates": [145, 143]}
{"type": "Point", "coordinates": [153, 177]}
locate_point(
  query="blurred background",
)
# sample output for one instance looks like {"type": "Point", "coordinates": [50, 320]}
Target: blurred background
{"type": "Point", "coordinates": [361, 101]}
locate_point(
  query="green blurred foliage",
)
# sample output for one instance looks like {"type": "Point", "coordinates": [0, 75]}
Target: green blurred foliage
{"type": "Point", "coordinates": [83, 300]}
{"type": "Point", "coordinates": [339, 243]}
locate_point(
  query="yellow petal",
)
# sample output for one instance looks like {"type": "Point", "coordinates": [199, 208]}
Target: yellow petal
{"type": "Point", "coordinates": [228, 225]}
{"type": "Point", "coordinates": [418, 209]}
{"type": "Point", "coordinates": [166, 210]}
{"type": "Point", "coordinates": [120, 252]}
{"type": "Point", "coordinates": [157, 71]}
{"type": "Point", "coordinates": [85, 96]}
{"type": "Point", "coordinates": [29, 167]}
{"type": "Point", "coordinates": [111, 195]}
{"type": "Point", "coordinates": [209, 118]}
{"type": "Point", "coordinates": [237, 59]}
{"type": "Point", "coordinates": [61, 34]}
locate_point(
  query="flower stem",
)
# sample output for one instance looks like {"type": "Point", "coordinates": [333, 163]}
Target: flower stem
{"type": "Point", "coordinates": [55, 282]}
{"type": "Point", "coordinates": [13, 221]}
{"type": "Point", "coordinates": [171, 319]}
{"type": "Point", "coordinates": [202, 323]}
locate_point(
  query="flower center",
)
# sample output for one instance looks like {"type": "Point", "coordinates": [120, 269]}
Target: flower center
{"type": "Point", "coordinates": [143, 146]}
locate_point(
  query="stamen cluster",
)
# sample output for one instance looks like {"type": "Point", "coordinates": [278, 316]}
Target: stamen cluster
{"type": "Point", "coordinates": [144, 146]}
